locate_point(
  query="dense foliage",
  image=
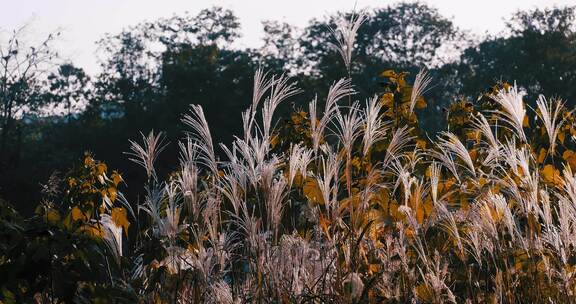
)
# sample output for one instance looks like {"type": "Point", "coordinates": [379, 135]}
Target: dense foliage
{"type": "Point", "coordinates": [346, 199]}
{"type": "Point", "coordinates": [51, 111]}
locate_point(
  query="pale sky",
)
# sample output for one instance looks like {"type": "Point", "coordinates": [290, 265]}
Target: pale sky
{"type": "Point", "coordinates": [82, 22]}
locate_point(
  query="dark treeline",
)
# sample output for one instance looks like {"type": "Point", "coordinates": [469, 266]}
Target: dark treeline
{"type": "Point", "coordinates": [152, 72]}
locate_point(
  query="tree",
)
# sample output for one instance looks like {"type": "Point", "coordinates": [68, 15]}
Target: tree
{"type": "Point", "coordinates": [21, 69]}
{"type": "Point", "coordinates": [68, 91]}
{"type": "Point", "coordinates": [405, 36]}
{"type": "Point", "coordinates": [219, 80]}
{"type": "Point", "coordinates": [539, 54]}
{"type": "Point", "coordinates": [281, 52]}
{"type": "Point", "coordinates": [129, 83]}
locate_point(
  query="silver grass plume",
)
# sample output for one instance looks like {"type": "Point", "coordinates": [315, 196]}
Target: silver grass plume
{"type": "Point", "coordinates": [337, 91]}
{"type": "Point", "coordinates": [202, 137]}
{"type": "Point", "coordinates": [280, 90]}
{"type": "Point", "coordinates": [112, 235]}
{"type": "Point", "coordinates": [328, 183]}
{"type": "Point", "coordinates": [550, 115]}
{"type": "Point", "coordinates": [374, 127]}
{"type": "Point", "coordinates": [450, 142]}
{"type": "Point", "coordinates": [188, 177]}
{"type": "Point", "coordinates": [435, 171]}
{"type": "Point", "coordinates": [449, 224]}
{"type": "Point", "coordinates": [403, 177]}
{"type": "Point", "coordinates": [480, 124]}
{"type": "Point", "coordinates": [261, 85]}
{"type": "Point", "coordinates": [513, 109]}
{"type": "Point", "coordinates": [399, 141]}
{"type": "Point", "coordinates": [300, 158]}
{"type": "Point", "coordinates": [447, 160]}
{"type": "Point", "coordinates": [347, 127]}
{"type": "Point", "coordinates": [420, 87]}
{"type": "Point", "coordinates": [345, 35]}
{"type": "Point", "coordinates": [275, 203]}
{"type": "Point", "coordinates": [169, 226]}
{"type": "Point", "coordinates": [145, 155]}
{"type": "Point", "coordinates": [221, 293]}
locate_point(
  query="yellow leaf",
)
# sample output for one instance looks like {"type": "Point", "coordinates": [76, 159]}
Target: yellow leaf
{"type": "Point", "coordinates": [526, 122]}
{"type": "Point", "coordinates": [120, 218]}
{"type": "Point", "coordinates": [473, 154]}
{"type": "Point", "coordinates": [325, 225]}
{"type": "Point", "coordinates": [312, 191]}
{"type": "Point", "coordinates": [541, 156]}
{"type": "Point", "coordinates": [561, 137]}
{"type": "Point", "coordinates": [387, 99]}
{"type": "Point", "coordinates": [482, 181]}
{"type": "Point", "coordinates": [520, 259]}
{"type": "Point", "coordinates": [464, 203]}
{"type": "Point", "coordinates": [388, 73]}
{"type": "Point", "coordinates": [428, 207]}
{"type": "Point", "coordinates": [72, 182]}
{"type": "Point", "coordinates": [393, 211]}
{"type": "Point", "coordinates": [406, 94]}
{"type": "Point", "coordinates": [112, 194]}
{"type": "Point", "coordinates": [420, 143]}
{"type": "Point", "coordinates": [93, 230]}
{"type": "Point", "coordinates": [551, 175]}
{"type": "Point", "coordinates": [356, 162]}
{"type": "Point", "coordinates": [296, 119]}
{"type": "Point", "coordinates": [473, 135]}
{"type": "Point", "coordinates": [298, 179]}
{"type": "Point", "coordinates": [52, 215]}
{"type": "Point", "coordinates": [274, 141]}
{"type": "Point", "coordinates": [88, 161]}
{"type": "Point", "coordinates": [570, 157]}
{"type": "Point", "coordinates": [420, 214]}
{"type": "Point", "coordinates": [448, 183]}
{"type": "Point", "coordinates": [345, 203]}
{"type": "Point", "coordinates": [116, 178]}
{"type": "Point", "coordinates": [373, 268]}
{"type": "Point", "coordinates": [421, 103]}
{"type": "Point", "coordinates": [409, 232]}
{"type": "Point", "coordinates": [424, 293]}
{"type": "Point", "coordinates": [382, 198]}
{"type": "Point", "coordinates": [101, 169]}
{"type": "Point", "coordinates": [77, 214]}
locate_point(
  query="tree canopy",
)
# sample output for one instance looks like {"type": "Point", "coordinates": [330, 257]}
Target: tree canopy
{"type": "Point", "coordinates": [151, 73]}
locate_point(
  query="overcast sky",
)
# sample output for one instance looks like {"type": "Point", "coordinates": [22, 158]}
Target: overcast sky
{"type": "Point", "coordinates": [82, 22]}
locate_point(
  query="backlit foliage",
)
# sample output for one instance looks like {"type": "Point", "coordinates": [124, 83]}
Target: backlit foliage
{"type": "Point", "coordinates": [344, 202]}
